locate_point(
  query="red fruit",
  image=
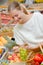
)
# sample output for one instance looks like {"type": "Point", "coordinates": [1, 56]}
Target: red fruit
{"type": "Point", "coordinates": [15, 58]}
{"type": "Point", "coordinates": [41, 56]}
{"type": "Point", "coordinates": [33, 63]}
{"type": "Point", "coordinates": [38, 58]}
{"type": "Point", "coordinates": [10, 58]}
{"type": "Point", "coordinates": [37, 63]}
{"type": "Point", "coordinates": [14, 55]}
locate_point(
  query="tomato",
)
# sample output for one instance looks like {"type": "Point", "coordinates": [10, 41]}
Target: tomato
{"type": "Point", "coordinates": [34, 63]}
{"type": "Point", "coordinates": [37, 63]}
{"type": "Point", "coordinates": [38, 58]}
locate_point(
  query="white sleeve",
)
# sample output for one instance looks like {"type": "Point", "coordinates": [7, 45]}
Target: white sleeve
{"type": "Point", "coordinates": [40, 21]}
{"type": "Point", "coordinates": [17, 37]}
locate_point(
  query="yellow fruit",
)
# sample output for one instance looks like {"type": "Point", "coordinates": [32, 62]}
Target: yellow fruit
{"type": "Point", "coordinates": [3, 40]}
{"type": "Point", "coordinates": [18, 55]}
{"type": "Point", "coordinates": [1, 44]}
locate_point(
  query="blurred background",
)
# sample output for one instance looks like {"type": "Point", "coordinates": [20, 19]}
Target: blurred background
{"type": "Point", "coordinates": [31, 5]}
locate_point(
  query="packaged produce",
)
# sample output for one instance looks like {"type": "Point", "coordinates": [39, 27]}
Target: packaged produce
{"type": "Point", "coordinates": [3, 52]}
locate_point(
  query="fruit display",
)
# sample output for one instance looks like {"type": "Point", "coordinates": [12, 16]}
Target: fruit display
{"type": "Point", "coordinates": [37, 59]}
{"type": "Point", "coordinates": [14, 58]}
{"type": "Point", "coordinates": [20, 56]}
{"type": "Point", "coordinates": [18, 53]}
{"type": "Point", "coordinates": [23, 54]}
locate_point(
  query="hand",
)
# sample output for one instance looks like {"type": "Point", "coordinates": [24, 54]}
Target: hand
{"type": "Point", "coordinates": [16, 48]}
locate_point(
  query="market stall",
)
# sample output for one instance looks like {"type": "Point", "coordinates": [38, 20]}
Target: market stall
{"type": "Point", "coordinates": [10, 52]}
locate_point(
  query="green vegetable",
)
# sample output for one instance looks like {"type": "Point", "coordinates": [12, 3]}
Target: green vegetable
{"type": "Point", "coordinates": [23, 54]}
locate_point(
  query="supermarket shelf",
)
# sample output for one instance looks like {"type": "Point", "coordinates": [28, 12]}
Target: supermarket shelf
{"type": "Point", "coordinates": [3, 6]}
{"type": "Point", "coordinates": [36, 7]}
{"type": "Point", "coordinates": [33, 10]}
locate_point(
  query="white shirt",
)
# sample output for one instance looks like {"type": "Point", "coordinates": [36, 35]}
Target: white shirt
{"type": "Point", "coordinates": [30, 32]}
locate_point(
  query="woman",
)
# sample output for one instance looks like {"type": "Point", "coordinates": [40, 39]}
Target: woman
{"type": "Point", "coordinates": [29, 28]}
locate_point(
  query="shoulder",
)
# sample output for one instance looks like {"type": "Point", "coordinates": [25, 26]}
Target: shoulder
{"type": "Point", "coordinates": [37, 13]}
